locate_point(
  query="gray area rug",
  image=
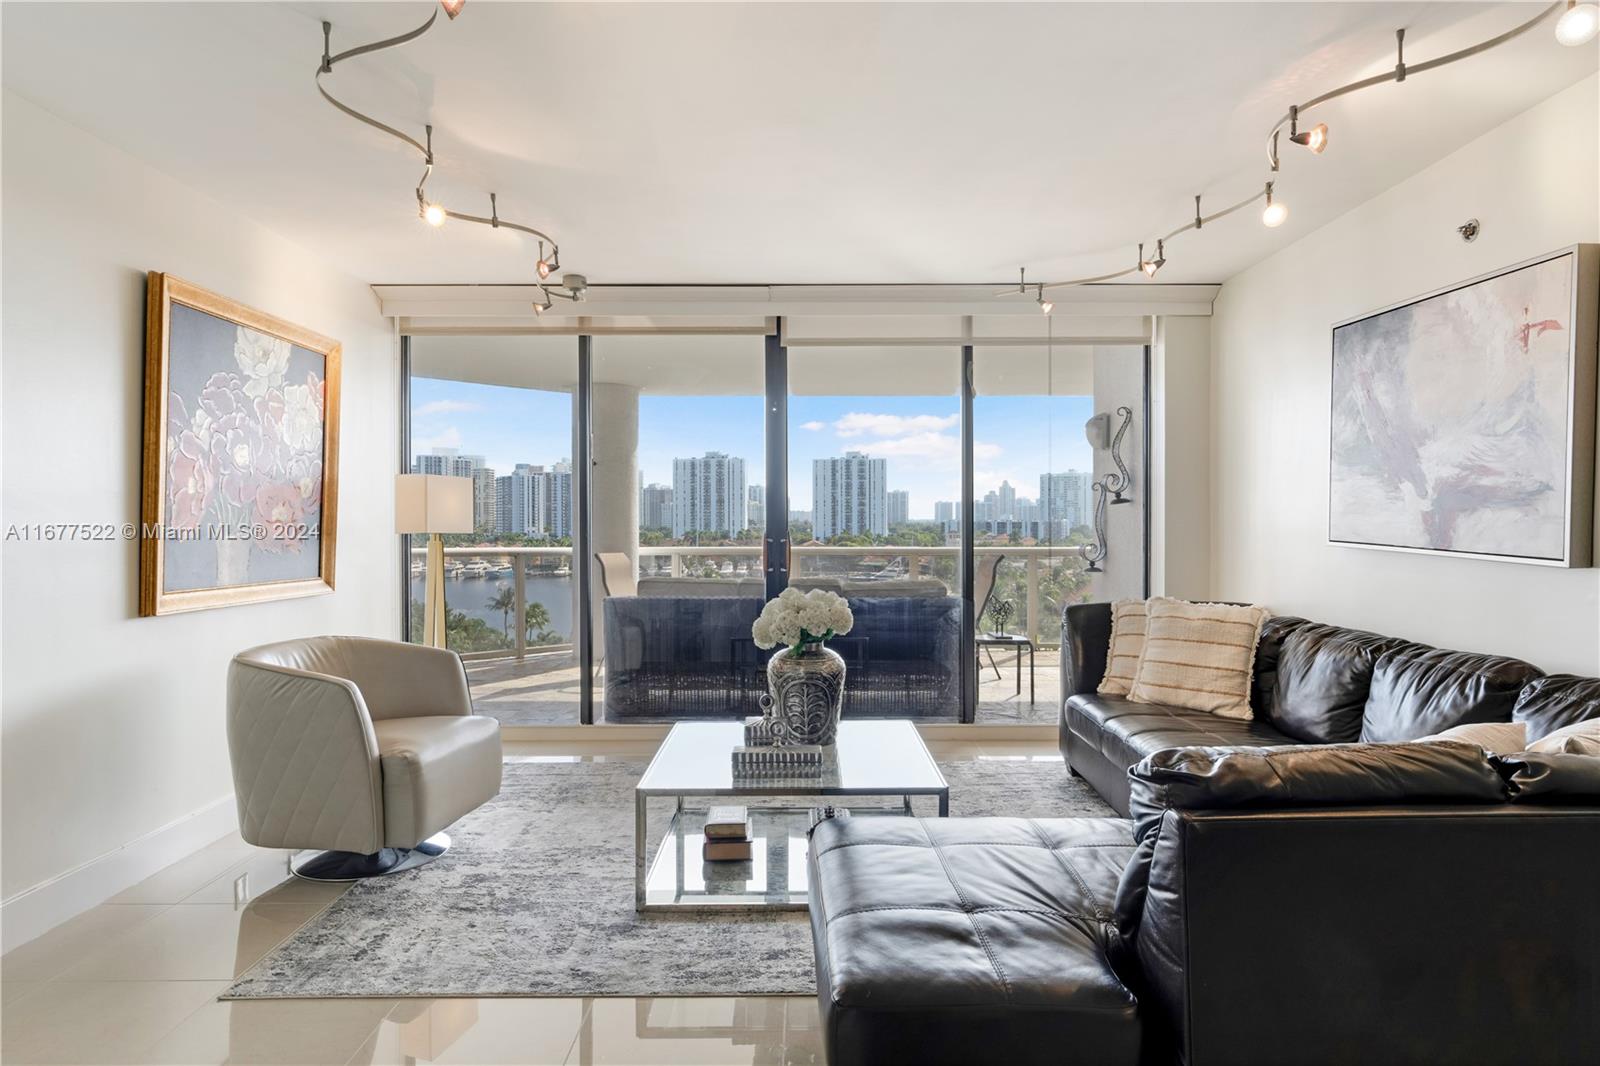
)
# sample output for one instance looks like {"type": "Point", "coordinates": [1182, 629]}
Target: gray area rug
{"type": "Point", "coordinates": [535, 898]}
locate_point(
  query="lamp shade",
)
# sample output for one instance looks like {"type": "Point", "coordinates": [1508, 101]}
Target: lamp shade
{"type": "Point", "coordinates": [432, 503]}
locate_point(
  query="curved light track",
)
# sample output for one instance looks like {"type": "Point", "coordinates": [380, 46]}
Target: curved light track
{"type": "Point", "coordinates": [547, 265]}
{"type": "Point", "coordinates": [1400, 73]}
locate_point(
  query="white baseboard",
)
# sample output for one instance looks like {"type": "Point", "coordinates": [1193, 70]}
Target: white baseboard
{"type": "Point", "coordinates": [36, 910]}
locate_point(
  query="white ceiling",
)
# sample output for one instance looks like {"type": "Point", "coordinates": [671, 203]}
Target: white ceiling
{"type": "Point", "coordinates": [799, 143]}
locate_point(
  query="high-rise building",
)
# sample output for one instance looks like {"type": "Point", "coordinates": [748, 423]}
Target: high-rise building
{"type": "Point", "coordinates": [655, 507]}
{"type": "Point", "coordinates": [448, 462]}
{"type": "Point", "coordinates": [559, 514]}
{"type": "Point", "coordinates": [757, 507]}
{"type": "Point", "coordinates": [899, 507]}
{"type": "Point", "coordinates": [944, 511]}
{"type": "Point", "coordinates": [1006, 502]}
{"type": "Point", "coordinates": [708, 495]}
{"type": "Point", "coordinates": [1064, 503]}
{"type": "Point", "coordinates": [485, 500]}
{"type": "Point", "coordinates": [522, 501]}
{"type": "Point", "coordinates": [849, 495]}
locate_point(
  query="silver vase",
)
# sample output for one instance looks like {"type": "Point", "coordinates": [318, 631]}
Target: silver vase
{"type": "Point", "coordinates": [806, 696]}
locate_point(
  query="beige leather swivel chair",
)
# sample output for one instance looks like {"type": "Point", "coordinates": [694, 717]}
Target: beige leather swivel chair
{"type": "Point", "coordinates": [363, 749]}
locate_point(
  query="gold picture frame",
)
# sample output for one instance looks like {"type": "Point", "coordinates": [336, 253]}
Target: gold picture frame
{"type": "Point", "coordinates": [240, 461]}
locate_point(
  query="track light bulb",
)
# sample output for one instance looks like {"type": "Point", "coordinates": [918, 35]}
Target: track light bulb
{"type": "Point", "coordinates": [1315, 138]}
{"type": "Point", "coordinates": [1274, 213]}
{"type": "Point", "coordinates": [1150, 266]}
{"type": "Point", "coordinates": [544, 268]}
{"type": "Point", "coordinates": [452, 8]}
{"type": "Point", "coordinates": [1045, 305]}
{"type": "Point", "coordinates": [434, 215]}
{"type": "Point", "coordinates": [1578, 24]}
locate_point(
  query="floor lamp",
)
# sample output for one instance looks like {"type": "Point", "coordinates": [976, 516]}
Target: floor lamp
{"type": "Point", "coordinates": [433, 504]}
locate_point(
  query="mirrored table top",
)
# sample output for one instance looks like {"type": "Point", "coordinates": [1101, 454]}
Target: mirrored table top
{"type": "Point", "coordinates": [871, 757]}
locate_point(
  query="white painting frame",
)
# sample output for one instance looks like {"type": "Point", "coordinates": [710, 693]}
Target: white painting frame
{"type": "Point", "coordinates": [1577, 492]}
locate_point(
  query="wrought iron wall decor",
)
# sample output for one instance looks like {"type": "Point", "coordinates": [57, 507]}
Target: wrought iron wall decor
{"type": "Point", "coordinates": [1112, 488]}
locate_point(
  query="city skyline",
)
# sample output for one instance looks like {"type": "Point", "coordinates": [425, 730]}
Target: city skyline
{"type": "Point", "coordinates": [1019, 438]}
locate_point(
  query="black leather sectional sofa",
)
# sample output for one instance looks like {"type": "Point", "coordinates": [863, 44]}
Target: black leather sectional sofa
{"type": "Point", "coordinates": [1273, 899]}
{"type": "Point", "coordinates": [1314, 684]}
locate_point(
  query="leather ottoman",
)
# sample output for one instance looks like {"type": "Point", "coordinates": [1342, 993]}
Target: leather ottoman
{"type": "Point", "coordinates": [970, 940]}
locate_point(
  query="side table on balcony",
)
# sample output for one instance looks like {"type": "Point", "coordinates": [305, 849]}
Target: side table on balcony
{"type": "Point", "coordinates": [1019, 644]}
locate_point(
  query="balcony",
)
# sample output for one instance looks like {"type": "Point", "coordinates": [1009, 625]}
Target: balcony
{"type": "Point", "coordinates": [528, 675]}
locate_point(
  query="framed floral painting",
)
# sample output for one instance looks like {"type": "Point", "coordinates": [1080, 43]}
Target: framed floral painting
{"type": "Point", "coordinates": [241, 450]}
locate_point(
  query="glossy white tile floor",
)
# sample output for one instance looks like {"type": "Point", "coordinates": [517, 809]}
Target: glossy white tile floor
{"type": "Point", "coordinates": [136, 979]}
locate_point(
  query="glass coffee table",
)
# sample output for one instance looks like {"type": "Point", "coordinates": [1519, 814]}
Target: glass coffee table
{"type": "Point", "coordinates": [874, 759]}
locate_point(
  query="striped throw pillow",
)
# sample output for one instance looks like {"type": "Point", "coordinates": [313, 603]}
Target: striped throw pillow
{"type": "Point", "coordinates": [1127, 643]}
{"type": "Point", "coordinates": [1199, 656]}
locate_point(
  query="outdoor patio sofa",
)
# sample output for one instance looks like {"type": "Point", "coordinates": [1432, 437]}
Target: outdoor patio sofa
{"type": "Point", "coordinates": [681, 656]}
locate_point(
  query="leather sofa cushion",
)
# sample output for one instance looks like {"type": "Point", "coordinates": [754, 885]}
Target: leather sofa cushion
{"type": "Point", "coordinates": [435, 769]}
{"type": "Point", "coordinates": [1310, 775]}
{"type": "Point", "coordinates": [1264, 671]}
{"type": "Point", "coordinates": [1417, 691]}
{"type": "Point", "coordinates": [970, 939]}
{"type": "Point", "coordinates": [1323, 677]}
{"type": "Point", "coordinates": [1556, 700]}
{"type": "Point", "coordinates": [1125, 732]}
{"type": "Point", "coordinates": [1550, 777]}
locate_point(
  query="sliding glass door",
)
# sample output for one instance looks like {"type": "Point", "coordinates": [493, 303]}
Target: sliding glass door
{"type": "Point", "coordinates": [500, 410]}
{"type": "Point", "coordinates": [1059, 504]}
{"type": "Point", "coordinates": [874, 443]}
{"type": "Point", "coordinates": [960, 498]}
{"type": "Point", "coordinates": [678, 505]}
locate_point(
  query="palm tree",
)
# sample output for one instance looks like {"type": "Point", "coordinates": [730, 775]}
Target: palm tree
{"type": "Point", "coordinates": [535, 619]}
{"type": "Point", "coordinates": [505, 603]}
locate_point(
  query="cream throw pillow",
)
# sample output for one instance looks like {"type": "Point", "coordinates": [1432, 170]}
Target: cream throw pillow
{"type": "Point", "coordinates": [1199, 656]}
{"type": "Point", "coordinates": [1127, 644]}
{"type": "Point", "coordinates": [1496, 738]}
{"type": "Point", "coordinates": [1579, 738]}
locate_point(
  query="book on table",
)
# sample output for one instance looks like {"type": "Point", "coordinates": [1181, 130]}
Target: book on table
{"type": "Point", "coordinates": [728, 823]}
{"type": "Point", "coordinates": [728, 834]}
{"type": "Point", "coordinates": [726, 850]}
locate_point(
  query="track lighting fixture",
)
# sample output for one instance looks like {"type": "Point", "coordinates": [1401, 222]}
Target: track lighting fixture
{"type": "Point", "coordinates": [1274, 213]}
{"type": "Point", "coordinates": [1150, 266]}
{"type": "Point", "coordinates": [1315, 138]}
{"type": "Point", "coordinates": [1578, 24]}
{"type": "Point", "coordinates": [1045, 305]}
{"type": "Point", "coordinates": [431, 211]}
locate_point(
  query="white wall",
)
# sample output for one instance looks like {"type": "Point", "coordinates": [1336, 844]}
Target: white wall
{"type": "Point", "coordinates": [1534, 183]}
{"type": "Point", "coordinates": [112, 724]}
{"type": "Point", "coordinates": [1180, 459]}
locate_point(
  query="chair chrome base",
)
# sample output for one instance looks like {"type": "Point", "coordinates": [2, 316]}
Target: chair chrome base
{"type": "Point", "coordinates": [353, 866]}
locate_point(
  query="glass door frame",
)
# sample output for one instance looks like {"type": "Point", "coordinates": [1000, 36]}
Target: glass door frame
{"type": "Point", "coordinates": [776, 550]}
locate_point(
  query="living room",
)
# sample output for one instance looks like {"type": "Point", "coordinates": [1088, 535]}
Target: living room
{"type": "Point", "coordinates": [756, 533]}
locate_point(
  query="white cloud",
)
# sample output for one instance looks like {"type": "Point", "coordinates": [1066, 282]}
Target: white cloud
{"type": "Point", "coordinates": [863, 424]}
{"type": "Point", "coordinates": [445, 407]}
{"type": "Point", "coordinates": [449, 437]}
{"type": "Point", "coordinates": [815, 427]}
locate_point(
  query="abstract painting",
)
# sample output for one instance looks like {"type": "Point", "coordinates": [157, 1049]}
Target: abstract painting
{"type": "Point", "coordinates": [1463, 421]}
{"type": "Point", "coordinates": [240, 454]}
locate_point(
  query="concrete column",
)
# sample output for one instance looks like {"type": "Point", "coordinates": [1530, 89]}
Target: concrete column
{"type": "Point", "coordinates": [614, 485]}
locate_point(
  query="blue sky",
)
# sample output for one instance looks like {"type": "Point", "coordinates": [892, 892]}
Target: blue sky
{"type": "Point", "coordinates": [1017, 437]}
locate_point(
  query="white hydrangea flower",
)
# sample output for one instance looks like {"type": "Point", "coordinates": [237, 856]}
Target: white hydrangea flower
{"type": "Point", "coordinates": [796, 617]}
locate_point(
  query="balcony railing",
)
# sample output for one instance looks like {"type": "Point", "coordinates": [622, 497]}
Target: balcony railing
{"type": "Point", "coordinates": [744, 561]}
